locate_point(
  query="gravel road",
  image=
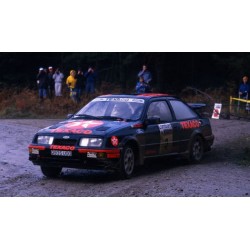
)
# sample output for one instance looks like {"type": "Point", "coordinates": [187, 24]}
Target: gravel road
{"type": "Point", "coordinates": [222, 172]}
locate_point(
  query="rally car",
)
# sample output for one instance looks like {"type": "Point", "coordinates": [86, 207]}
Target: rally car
{"type": "Point", "coordinates": [120, 132]}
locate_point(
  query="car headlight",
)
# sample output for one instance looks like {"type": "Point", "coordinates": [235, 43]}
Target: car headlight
{"type": "Point", "coordinates": [91, 142]}
{"type": "Point", "coordinates": [44, 139]}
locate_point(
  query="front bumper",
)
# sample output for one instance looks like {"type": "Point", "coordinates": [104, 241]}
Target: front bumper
{"type": "Point", "coordinates": [75, 157]}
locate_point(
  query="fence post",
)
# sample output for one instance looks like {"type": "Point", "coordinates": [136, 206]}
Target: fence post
{"type": "Point", "coordinates": [230, 105]}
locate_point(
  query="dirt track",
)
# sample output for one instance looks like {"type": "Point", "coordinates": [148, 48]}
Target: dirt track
{"type": "Point", "coordinates": [219, 174]}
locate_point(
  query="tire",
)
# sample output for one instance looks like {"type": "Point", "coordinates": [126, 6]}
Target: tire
{"type": "Point", "coordinates": [127, 164]}
{"type": "Point", "coordinates": [51, 172]}
{"type": "Point", "coordinates": [196, 150]}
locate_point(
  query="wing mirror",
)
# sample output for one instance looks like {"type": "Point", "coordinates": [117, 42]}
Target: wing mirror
{"type": "Point", "coordinates": [152, 120]}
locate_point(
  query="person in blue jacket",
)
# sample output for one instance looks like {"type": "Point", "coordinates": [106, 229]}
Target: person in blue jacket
{"type": "Point", "coordinates": [146, 74]}
{"type": "Point", "coordinates": [244, 88]}
{"type": "Point", "coordinates": [142, 86]}
{"type": "Point", "coordinates": [90, 76]}
{"type": "Point", "coordinates": [42, 83]}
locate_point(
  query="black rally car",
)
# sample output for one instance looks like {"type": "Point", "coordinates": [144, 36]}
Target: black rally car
{"type": "Point", "coordinates": [119, 132]}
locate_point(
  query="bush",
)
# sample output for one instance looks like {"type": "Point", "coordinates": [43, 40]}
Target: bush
{"type": "Point", "coordinates": [26, 104]}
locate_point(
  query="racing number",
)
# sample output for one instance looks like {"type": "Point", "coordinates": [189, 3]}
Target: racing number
{"type": "Point", "coordinates": [166, 138]}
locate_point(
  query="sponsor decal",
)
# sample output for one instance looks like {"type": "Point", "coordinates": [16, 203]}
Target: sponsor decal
{"type": "Point", "coordinates": [216, 111]}
{"type": "Point", "coordinates": [87, 132]}
{"type": "Point", "coordinates": [110, 153]}
{"type": "Point", "coordinates": [59, 147]}
{"type": "Point", "coordinates": [166, 137]}
{"type": "Point", "coordinates": [114, 99]}
{"type": "Point", "coordinates": [165, 127]}
{"type": "Point", "coordinates": [91, 155]}
{"type": "Point", "coordinates": [190, 124]}
{"type": "Point", "coordinates": [114, 141]}
{"type": "Point", "coordinates": [78, 127]}
{"type": "Point", "coordinates": [139, 131]}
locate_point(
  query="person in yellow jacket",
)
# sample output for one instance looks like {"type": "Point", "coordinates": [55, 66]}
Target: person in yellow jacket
{"type": "Point", "coordinates": [71, 82]}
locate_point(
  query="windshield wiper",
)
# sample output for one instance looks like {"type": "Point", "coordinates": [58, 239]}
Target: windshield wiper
{"type": "Point", "coordinates": [86, 116]}
{"type": "Point", "coordinates": [113, 118]}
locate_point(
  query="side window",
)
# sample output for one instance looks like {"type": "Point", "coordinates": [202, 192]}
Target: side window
{"type": "Point", "coordinates": [159, 109]}
{"type": "Point", "coordinates": [182, 111]}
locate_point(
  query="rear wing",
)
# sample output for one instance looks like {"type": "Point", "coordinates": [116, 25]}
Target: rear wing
{"type": "Point", "coordinates": [197, 106]}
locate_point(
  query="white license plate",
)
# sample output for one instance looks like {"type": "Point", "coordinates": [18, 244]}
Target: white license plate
{"type": "Point", "coordinates": [61, 153]}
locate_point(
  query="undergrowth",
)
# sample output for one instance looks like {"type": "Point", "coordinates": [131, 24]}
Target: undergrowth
{"type": "Point", "coordinates": [24, 103]}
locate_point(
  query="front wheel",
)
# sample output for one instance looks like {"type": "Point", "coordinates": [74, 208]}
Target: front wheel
{"type": "Point", "coordinates": [51, 172]}
{"type": "Point", "coordinates": [127, 164]}
{"type": "Point", "coordinates": [196, 150]}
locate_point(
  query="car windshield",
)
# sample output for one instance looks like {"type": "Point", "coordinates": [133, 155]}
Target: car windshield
{"type": "Point", "coordinates": [113, 108]}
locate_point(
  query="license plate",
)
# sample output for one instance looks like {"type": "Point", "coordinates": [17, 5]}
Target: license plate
{"type": "Point", "coordinates": [61, 153]}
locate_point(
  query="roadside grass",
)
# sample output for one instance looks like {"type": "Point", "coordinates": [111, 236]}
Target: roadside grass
{"type": "Point", "coordinates": [238, 151]}
{"type": "Point", "coordinates": [244, 156]}
{"type": "Point", "coordinates": [25, 103]}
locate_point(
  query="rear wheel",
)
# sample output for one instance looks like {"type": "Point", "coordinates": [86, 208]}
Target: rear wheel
{"type": "Point", "coordinates": [127, 164]}
{"type": "Point", "coordinates": [51, 172]}
{"type": "Point", "coordinates": [196, 149]}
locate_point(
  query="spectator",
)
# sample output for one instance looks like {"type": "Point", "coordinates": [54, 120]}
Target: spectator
{"type": "Point", "coordinates": [58, 78]}
{"type": "Point", "coordinates": [142, 87]}
{"type": "Point", "coordinates": [42, 82]}
{"type": "Point", "coordinates": [51, 83]}
{"type": "Point", "coordinates": [71, 82]}
{"type": "Point", "coordinates": [244, 88]}
{"type": "Point", "coordinates": [145, 73]}
{"type": "Point", "coordinates": [79, 84]}
{"type": "Point", "coordinates": [90, 76]}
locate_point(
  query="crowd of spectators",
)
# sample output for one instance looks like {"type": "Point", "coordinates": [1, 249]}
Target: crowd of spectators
{"type": "Point", "coordinates": [50, 83]}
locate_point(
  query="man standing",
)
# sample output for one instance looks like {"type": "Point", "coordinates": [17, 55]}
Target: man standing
{"type": "Point", "coordinates": [58, 78]}
{"type": "Point", "coordinates": [90, 76]}
{"type": "Point", "coordinates": [51, 83]}
{"type": "Point", "coordinates": [42, 82]}
{"type": "Point", "coordinates": [145, 73]}
{"type": "Point", "coordinates": [244, 88]}
{"type": "Point", "coordinates": [79, 84]}
{"type": "Point", "coordinates": [71, 82]}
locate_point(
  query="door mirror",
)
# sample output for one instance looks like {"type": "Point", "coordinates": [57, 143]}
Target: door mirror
{"type": "Point", "coordinates": [152, 120]}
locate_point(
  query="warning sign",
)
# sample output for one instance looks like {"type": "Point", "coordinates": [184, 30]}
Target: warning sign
{"type": "Point", "coordinates": [217, 110]}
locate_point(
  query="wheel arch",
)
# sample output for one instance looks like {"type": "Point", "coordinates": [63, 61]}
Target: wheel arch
{"type": "Point", "coordinates": [192, 138]}
{"type": "Point", "coordinates": [135, 145]}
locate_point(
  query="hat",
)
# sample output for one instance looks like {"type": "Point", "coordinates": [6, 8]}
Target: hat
{"type": "Point", "coordinates": [50, 67]}
{"type": "Point", "coordinates": [40, 68]}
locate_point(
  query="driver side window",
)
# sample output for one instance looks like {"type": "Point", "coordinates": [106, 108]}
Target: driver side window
{"type": "Point", "coordinates": [161, 110]}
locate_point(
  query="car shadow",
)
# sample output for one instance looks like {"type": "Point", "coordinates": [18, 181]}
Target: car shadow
{"type": "Point", "coordinates": [88, 176]}
{"type": "Point", "coordinates": [150, 167]}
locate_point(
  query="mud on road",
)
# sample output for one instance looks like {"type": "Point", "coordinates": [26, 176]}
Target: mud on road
{"type": "Point", "coordinates": [222, 173]}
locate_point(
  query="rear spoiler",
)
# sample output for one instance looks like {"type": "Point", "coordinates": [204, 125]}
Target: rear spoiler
{"type": "Point", "coordinates": [196, 106]}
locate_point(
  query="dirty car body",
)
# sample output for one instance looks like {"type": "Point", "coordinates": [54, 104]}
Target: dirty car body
{"type": "Point", "coordinates": [120, 132]}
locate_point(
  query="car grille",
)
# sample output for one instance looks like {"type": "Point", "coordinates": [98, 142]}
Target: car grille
{"type": "Point", "coordinates": [67, 142]}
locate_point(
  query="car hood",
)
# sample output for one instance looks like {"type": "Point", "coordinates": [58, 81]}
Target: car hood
{"type": "Point", "coordinates": [97, 127]}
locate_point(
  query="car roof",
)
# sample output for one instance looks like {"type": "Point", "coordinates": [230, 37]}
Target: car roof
{"type": "Point", "coordinates": [143, 96]}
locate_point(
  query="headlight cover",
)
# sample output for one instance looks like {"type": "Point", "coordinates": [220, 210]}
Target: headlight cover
{"type": "Point", "coordinates": [44, 139]}
{"type": "Point", "coordinates": [91, 142]}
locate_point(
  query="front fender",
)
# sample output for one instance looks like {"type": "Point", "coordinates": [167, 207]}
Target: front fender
{"type": "Point", "coordinates": [136, 146]}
